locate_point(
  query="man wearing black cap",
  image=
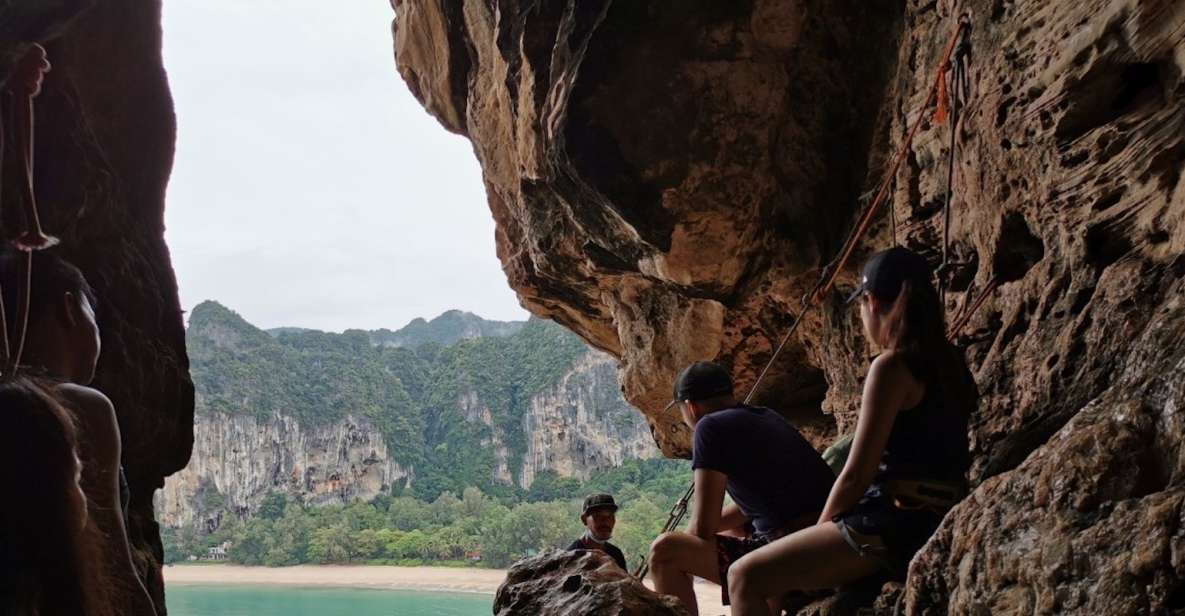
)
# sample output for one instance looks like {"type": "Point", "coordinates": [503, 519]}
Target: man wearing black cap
{"type": "Point", "coordinates": [777, 481]}
{"type": "Point", "coordinates": [599, 517]}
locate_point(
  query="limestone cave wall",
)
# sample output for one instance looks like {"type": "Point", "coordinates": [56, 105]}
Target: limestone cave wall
{"type": "Point", "coordinates": [105, 134]}
{"type": "Point", "coordinates": [668, 179]}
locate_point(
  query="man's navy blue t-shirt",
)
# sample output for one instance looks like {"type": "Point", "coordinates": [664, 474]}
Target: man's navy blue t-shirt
{"type": "Point", "coordinates": [774, 475]}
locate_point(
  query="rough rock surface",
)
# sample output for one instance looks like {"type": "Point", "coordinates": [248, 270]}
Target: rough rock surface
{"type": "Point", "coordinates": [574, 428]}
{"type": "Point", "coordinates": [577, 584]}
{"type": "Point", "coordinates": [664, 181]}
{"type": "Point", "coordinates": [667, 181]}
{"type": "Point", "coordinates": [243, 458]}
{"type": "Point", "coordinates": [580, 426]}
{"type": "Point", "coordinates": [105, 134]}
{"type": "Point", "coordinates": [1091, 523]}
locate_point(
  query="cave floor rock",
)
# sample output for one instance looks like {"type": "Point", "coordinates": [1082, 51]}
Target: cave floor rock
{"type": "Point", "coordinates": [578, 583]}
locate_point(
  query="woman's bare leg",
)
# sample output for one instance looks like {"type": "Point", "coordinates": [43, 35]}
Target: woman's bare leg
{"type": "Point", "coordinates": [674, 558]}
{"type": "Point", "coordinates": [812, 558]}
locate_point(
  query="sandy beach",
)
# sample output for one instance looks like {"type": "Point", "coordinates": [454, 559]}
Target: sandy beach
{"type": "Point", "coordinates": [443, 579]}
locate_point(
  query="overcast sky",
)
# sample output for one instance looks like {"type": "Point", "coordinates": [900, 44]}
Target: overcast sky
{"type": "Point", "coordinates": [310, 188]}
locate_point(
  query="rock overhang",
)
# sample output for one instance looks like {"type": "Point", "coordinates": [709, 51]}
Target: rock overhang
{"type": "Point", "coordinates": [669, 183]}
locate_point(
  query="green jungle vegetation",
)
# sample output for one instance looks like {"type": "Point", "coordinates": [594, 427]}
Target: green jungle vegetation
{"type": "Point", "coordinates": [473, 529]}
{"type": "Point", "coordinates": [407, 383]}
{"type": "Point", "coordinates": [409, 393]}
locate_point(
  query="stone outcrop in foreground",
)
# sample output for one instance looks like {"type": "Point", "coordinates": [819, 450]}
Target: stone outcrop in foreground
{"type": "Point", "coordinates": [668, 180]}
{"type": "Point", "coordinates": [578, 584]}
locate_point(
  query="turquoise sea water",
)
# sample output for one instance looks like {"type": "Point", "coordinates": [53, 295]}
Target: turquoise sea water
{"type": "Point", "coordinates": [282, 601]}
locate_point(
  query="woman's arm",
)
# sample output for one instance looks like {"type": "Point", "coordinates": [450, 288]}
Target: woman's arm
{"type": "Point", "coordinates": [884, 393]}
{"type": "Point", "coordinates": [100, 430]}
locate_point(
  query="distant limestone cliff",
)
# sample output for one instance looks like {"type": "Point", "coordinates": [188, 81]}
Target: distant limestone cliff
{"type": "Point", "coordinates": [438, 405]}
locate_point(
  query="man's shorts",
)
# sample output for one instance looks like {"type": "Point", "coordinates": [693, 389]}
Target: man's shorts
{"type": "Point", "coordinates": [730, 549]}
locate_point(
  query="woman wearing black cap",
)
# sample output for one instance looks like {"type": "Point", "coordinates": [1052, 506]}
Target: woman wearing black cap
{"type": "Point", "coordinates": [909, 456]}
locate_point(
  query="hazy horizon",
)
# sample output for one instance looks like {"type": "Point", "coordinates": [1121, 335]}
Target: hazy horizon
{"type": "Point", "coordinates": [310, 189]}
{"type": "Point", "coordinates": [394, 327]}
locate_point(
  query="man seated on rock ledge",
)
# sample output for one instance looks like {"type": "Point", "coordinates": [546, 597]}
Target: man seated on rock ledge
{"type": "Point", "coordinates": [62, 348]}
{"type": "Point", "coordinates": [777, 481]}
{"type": "Point", "coordinates": [599, 516]}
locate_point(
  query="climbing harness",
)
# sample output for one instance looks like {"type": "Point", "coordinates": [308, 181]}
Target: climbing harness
{"type": "Point", "coordinates": [925, 494]}
{"type": "Point", "coordinates": [952, 100]}
{"type": "Point", "coordinates": [674, 519]}
{"type": "Point", "coordinates": [24, 86]}
{"type": "Point", "coordinates": [830, 273]}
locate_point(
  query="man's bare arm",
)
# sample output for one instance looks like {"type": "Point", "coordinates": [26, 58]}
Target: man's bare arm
{"type": "Point", "coordinates": [732, 517]}
{"type": "Point", "coordinates": [709, 499]}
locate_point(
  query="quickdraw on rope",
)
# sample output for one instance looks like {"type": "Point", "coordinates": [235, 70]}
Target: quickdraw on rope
{"type": "Point", "coordinates": [832, 270]}
{"type": "Point", "coordinates": [952, 97]}
{"type": "Point", "coordinates": [830, 273]}
{"type": "Point", "coordinates": [674, 519]}
{"type": "Point", "coordinates": [967, 313]}
{"type": "Point", "coordinates": [23, 87]}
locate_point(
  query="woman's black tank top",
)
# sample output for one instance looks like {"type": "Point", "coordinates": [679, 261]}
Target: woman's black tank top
{"type": "Point", "coordinates": [929, 441]}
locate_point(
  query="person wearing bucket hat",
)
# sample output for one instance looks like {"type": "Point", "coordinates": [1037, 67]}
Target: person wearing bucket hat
{"type": "Point", "coordinates": [599, 516]}
{"type": "Point", "coordinates": [909, 455]}
{"type": "Point", "coordinates": [777, 481]}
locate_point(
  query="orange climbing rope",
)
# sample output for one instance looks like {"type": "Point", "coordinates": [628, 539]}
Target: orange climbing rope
{"type": "Point", "coordinates": [831, 271]}
{"type": "Point", "coordinates": [950, 101]}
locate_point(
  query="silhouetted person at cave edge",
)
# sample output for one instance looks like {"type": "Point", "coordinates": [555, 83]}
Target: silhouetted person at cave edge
{"type": "Point", "coordinates": [62, 346]}
{"type": "Point", "coordinates": [51, 563]}
{"type": "Point", "coordinates": [777, 481]}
